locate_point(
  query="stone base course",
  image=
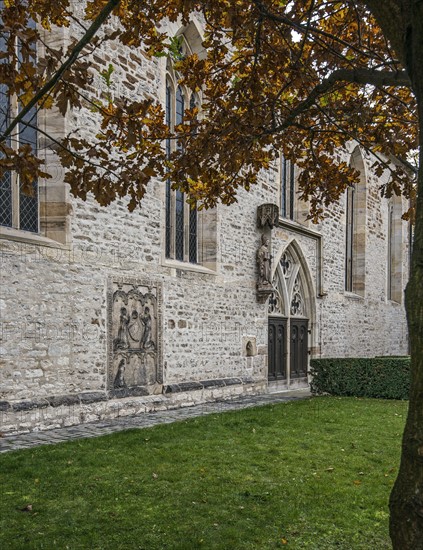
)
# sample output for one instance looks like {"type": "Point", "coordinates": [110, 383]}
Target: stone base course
{"type": "Point", "coordinates": [70, 410]}
{"type": "Point", "coordinates": [12, 442]}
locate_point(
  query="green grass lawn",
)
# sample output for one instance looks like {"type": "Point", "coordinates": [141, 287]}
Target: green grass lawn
{"type": "Point", "coordinates": [308, 474]}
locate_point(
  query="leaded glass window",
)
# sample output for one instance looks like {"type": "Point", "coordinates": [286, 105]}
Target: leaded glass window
{"type": "Point", "coordinates": [181, 219]}
{"type": "Point", "coordinates": [287, 175]}
{"type": "Point", "coordinates": [17, 209]}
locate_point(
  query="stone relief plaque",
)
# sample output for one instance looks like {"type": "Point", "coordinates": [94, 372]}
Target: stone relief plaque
{"type": "Point", "coordinates": [134, 335]}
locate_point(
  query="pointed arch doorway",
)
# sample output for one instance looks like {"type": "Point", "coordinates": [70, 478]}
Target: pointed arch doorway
{"type": "Point", "coordinates": [291, 309]}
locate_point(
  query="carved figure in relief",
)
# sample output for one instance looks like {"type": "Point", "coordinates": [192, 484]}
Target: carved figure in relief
{"type": "Point", "coordinates": [135, 329]}
{"type": "Point", "coordinates": [121, 342]}
{"type": "Point", "coordinates": [264, 262]}
{"type": "Point", "coordinates": [146, 342]}
{"type": "Point", "coordinates": [120, 375]}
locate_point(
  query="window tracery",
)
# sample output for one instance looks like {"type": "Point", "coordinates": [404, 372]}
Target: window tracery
{"type": "Point", "coordinates": [288, 297]}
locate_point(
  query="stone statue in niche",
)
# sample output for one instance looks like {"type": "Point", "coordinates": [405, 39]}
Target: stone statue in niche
{"type": "Point", "coordinates": [264, 263]}
{"type": "Point", "coordinates": [134, 338]}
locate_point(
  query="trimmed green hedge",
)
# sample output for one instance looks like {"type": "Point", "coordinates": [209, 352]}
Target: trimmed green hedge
{"type": "Point", "coordinates": [383, 377]}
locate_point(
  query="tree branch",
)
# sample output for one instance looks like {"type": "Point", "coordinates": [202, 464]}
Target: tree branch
{"type": "Point", "coordinates": [86, 39]}
{"type": "Point", "coordinates": [300, 28]}
{"type": "Point", "coordinates": [84, 158]}
{"type": "Point", "coordinates": [359, 76]}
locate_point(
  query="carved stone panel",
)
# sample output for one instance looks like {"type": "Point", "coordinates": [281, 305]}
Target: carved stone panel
{"type": "Point", "coordinates": [267, 215]}
{"type": "Point", "coordinates": [134, 336]}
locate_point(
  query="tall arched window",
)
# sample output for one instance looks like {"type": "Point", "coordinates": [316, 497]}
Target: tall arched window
{"type": "Point", "coordinates": [46, 212]}
{"type": "Point", "coordinates": [181, 219]}
{"type": "Point", "coordinates": [394, 246]}
{"type": "Point", "coordinates": [287, 179]}
{"type": "Point", "coordinates": [349, 244]}
{"type": "Point", "coordinates": [18, 210]}
{"type": "Point", "coordinates": [355, 230]}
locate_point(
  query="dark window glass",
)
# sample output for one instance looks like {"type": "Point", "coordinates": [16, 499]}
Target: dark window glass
{"type": "Point", "coordinates": [179, 226]}
{"type": "Point", "coordinates": [28, 204]}
{"type": "Point", "coordinates": [168, 189]}
{"type": "Point", "coordinates": [180, 199]}
{"type": "Point", "coordinates": [283, 187]}
{"type": "Point", "coordinates": [349, 251]}
{"type": "Point", "coordinates": [193, 236]}
{"type": "Point", "coordinates": [6, 200]}
{"type": "Point", "coordinates": [11, 197]}
{"type": "Point", "coordinates": [287, 188]}
{"type": "Point", "coordinates": [291, 190]}
{"type": "Point", "coordinates": [179, 106]}
{"type": "Point", "coordinates": [6, 203]}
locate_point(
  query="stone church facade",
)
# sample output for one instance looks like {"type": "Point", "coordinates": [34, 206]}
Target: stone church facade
{"type": "Point", "coordinates": [107, 313]}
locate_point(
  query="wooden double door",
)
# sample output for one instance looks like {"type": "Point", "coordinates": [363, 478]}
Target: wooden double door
{"type": "Point", "coordinates": [287, 350]}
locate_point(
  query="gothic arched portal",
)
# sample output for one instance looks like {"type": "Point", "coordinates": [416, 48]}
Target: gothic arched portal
{"type": "Point", "coordinates": [291, 310]}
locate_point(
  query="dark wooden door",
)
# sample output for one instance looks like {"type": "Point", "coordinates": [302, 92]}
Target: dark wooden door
{"type": "Point", "coordinates": [277, 348]}
{"type": "Point", "coordinates": [299, 348]}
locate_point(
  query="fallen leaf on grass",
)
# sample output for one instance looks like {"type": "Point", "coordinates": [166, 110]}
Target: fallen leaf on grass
{"type": "Point", "coordinates": [27, 508]}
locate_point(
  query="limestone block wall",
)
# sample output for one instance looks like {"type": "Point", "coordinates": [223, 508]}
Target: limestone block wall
{"type": "Point", "coordinates": [54, 319]}
{"type": "Point", "coordinates": [370, 324]}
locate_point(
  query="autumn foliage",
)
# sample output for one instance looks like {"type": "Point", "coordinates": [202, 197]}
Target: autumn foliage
{"type": "Point", "coordinates": [304, 77]}
{"type": "Point", "coordinates": [299, 77]}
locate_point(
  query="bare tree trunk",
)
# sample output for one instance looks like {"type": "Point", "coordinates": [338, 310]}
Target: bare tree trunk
{"type": "Point", "coordinates": [406, 502]}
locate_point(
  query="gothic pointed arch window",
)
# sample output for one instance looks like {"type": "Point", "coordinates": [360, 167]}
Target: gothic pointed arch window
{"type": "Point", "coordinates": [18, 210]}
{"type": "Point", "coordinates": [291, 206]}
{"type": "Point", "coordinates": [355, 229]}
{"type": "Point", "coordinates": [181, 219]}
{"type": "Point", "coordinates": [287, 185]}
{"type": "Point", "coordinates": [394, 248]}
{"type": "Point", "coordinates": [44, 215]}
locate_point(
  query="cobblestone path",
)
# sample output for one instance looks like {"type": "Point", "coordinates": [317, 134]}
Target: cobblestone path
{"type": "Point", "coordinates": [12, 442]}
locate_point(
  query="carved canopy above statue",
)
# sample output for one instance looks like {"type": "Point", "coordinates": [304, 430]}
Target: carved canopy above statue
{"type": "Point", "coordinates": [267, 215]}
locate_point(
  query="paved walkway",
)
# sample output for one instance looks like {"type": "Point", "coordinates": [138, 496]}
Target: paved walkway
{"type": "Point", "coordinates": [14, 442]}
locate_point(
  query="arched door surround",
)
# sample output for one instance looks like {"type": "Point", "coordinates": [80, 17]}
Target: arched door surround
{"type": "Point", "coordinates": [291, 310]}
